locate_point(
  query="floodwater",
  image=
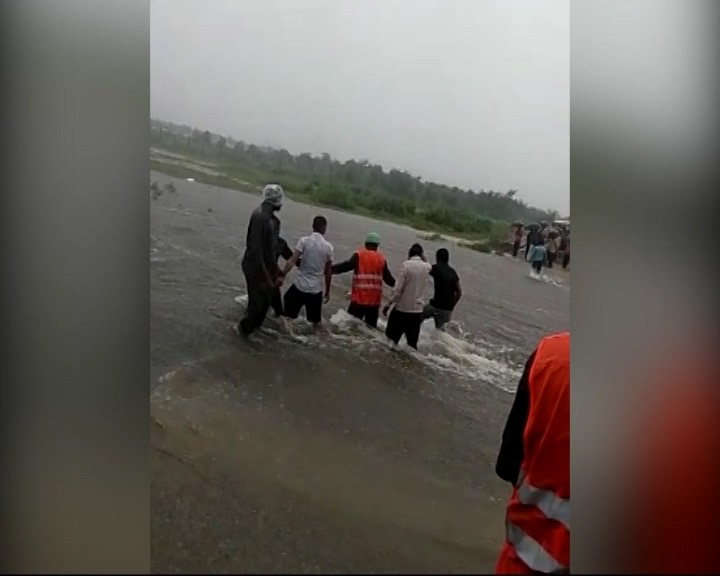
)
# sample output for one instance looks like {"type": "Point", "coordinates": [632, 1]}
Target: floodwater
{"type": "Point", "coordinates": [326, 453]}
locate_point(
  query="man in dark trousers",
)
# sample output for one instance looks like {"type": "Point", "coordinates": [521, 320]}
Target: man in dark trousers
{"type": "Point", "coordinates": [447, 290]}
{"type": "Point", "coordinates": [259, 264]}
{"type": "Point", "coordinates": [370, 270]}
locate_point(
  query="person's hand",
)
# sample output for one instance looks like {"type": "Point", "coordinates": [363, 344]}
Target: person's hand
{"type": "Point", "coordinates": [326, 299]}
{"type": "Point", "coordinates": [385, 310]}
{"type": "Point", "coordinates": [279, 281]}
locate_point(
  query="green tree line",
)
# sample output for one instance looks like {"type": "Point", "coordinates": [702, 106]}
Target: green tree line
{"type": "Point", "coordinates": [355, 185]}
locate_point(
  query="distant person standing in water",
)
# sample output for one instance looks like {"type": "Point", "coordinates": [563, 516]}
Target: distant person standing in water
{"type": "Point", "coordinates": [517, 240]}
{"type": "Point", "coordinates": [314, 274]}
{"type": "Point", "coordinates": [551, 247]}
{"type": "Point", "coordinates": [533, 237]}
{"type": "Point", "coordinates": [370, 270]}
{"type": "Point", "coordinates": [537, 257]}
{"type": "Point", "coordinates": [447, 290]}
{"type": "Point", "coordinates": [566, 253]}
{"type": "Point", "coordinates": [259, 264]}
{"type": "Point", "coordinates": [407, 299]}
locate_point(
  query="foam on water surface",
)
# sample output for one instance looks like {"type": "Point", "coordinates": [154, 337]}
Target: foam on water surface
{"type": "Point", "coordinates": [452, 350]}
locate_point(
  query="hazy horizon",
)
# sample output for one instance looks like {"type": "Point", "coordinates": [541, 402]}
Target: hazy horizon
{"type": "Point", "coordinates": [473, 94]}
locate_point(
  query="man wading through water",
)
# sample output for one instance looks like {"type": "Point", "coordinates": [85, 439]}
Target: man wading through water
{"type": "Point", "coordinates": [447, 290]}
{"type": "Point", "coordinates": [407, 299]}
{"type": "Point", "coordinates": [370, 270]}
{"type": "Point", "coordinates": [259, 264]}
{"type": "Point", "coordinates": [314, 274]}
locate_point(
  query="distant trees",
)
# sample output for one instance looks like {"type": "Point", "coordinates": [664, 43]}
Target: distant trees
{"type": "Point", "coordinates": [357, 184]}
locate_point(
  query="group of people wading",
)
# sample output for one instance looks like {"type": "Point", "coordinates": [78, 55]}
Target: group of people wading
{"type": "Point", "coordinates": [313, 258]}
{"type": "Point", "coordinates": [544, 245]}
{"type": "Point", "coordinates": [535, 453]}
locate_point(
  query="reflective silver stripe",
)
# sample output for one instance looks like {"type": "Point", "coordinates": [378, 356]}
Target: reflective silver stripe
{"type": "Point", "coordinates": [532, 553]}
{"type": "Point", "coordinates": [368, 287]}
{"type": "Point", "coordinates": [551, 505]}
{"type": "Point", "coordinates": [368, 277]}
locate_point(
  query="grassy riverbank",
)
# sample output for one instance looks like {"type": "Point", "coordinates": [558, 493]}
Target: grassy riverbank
{"type": "Point", "coordinates": [251, 181]}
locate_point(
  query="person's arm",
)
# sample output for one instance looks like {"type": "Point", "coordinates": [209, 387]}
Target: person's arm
{"type": "Point", "coordinates": [348, 266]}
{"type": "Point", "coordinates": [328, 280]}
{"type": "Point", "coordinates": [399, 286]}
{"type": "Point", "coordinates": [328, 274]}
{"type": "Point", "coordinates": [512, 451]}
{"type": "Point", "coordinates": [299, 249]}
{"type": "Point", "coordinates": [284, 249]}
{"type": "Point", "coordinates": [458, 293]}
{"type": "Point", "coordinates": [387, 276]}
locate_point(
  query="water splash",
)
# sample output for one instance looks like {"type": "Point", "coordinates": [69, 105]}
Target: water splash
{"type": "Point", "coordinates": [452, 350]}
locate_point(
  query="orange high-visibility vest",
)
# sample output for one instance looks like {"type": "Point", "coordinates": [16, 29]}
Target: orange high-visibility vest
{"type": "Point", "coordinates": [367, 280]}
{"type": "Point", "coordinates": [537, 537]}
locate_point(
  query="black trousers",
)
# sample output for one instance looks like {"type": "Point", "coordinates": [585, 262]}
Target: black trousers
{"type": "Point", "coordinates": [369, 314]}
{"type": "Point", "coordinates": [276, 302]}
{"type": "Point", "coordinates": [259, 299]}
{"type": "Point", "coordinates": [537, 266]}
{"type": "Point", "coordinates": [407, 323]}
{"type": "Point", "coordinates": [516, 247]}
{"type": "Point", "coordinates": [566, 260]}
{"type": "Point", "coordinates": [551, 257]}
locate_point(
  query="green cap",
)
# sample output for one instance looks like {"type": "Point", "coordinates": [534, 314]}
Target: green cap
{"type": "Point", "coordinates": [372, 238]}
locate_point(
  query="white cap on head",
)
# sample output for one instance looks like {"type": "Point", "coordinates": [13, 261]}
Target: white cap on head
{"type": "Point", "coordinates": [273, 193]}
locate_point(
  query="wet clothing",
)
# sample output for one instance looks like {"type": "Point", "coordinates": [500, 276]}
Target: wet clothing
{"type": "Point", "coordinates": [441, 317]}
{"type": "Point", "coordinates": [364, 298]}
{"type": "Point", "coordinates": [511, 452]}
{"type": "Point", "coordinates": [367, 280]}
{"type": "Point", "coordinates": [284, 251]}
{"type": "Point", "coordinates": [352, 264]}
{"type": "Point", "coordinates": [516, 241]}
{"type": "Point", "coordinates": [537, 253]}
{"type": "Point", "coordinates": [295, 300]}
{"type": "Point", "coordinates": [316, 252]}
{"type": "Point", "coordinates": [261, 251]}
{"type": "Point", "coordinates": [535, 458]}
{"type": "Point", "coordinates": [408, 297]}
{"type": "Point", "coordinates": [260, 297]}
{"type": "Point", "coordinates": [446, 282]}
{"type": "Point", "coordinates": [408, 294]}
{"type": "Point", "coordinates": [307, 289]}
{"type": "Point", "coordinates": [407, 323]}
{"type": "Point", "coordinates": [261, 244]}
{"type": "Point", "coordinates": [551, 246]}
{"type": "Point", "coordinates": [368, 314]}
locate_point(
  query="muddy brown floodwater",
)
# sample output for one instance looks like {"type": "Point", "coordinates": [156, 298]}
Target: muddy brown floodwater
{"type": "Point", "coordinates": [325, 453]}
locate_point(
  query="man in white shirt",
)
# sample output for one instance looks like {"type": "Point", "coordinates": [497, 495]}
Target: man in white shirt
{"type": "Point", "coordinates": [408, 298]}
{"type": "Point", "coordinates": [314, 272]}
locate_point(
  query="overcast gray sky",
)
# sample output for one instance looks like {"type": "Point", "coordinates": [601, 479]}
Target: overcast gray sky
{"type": "Point", "coordinates": [473, 93]}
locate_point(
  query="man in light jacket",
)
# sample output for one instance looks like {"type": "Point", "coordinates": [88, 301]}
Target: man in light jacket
{"type": "Point", "coordinates": [408, 298]}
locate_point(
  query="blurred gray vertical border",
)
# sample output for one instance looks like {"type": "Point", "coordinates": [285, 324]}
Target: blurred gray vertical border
{"type": "Point", "coordinates": [644, 204]}
{"type": "Point", "coordinates": [75, 281]}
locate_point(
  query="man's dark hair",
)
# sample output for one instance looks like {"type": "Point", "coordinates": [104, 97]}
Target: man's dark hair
{"type": "Point", "coordinates": [415, 250]}
{"type": "Point", "coordinates": [319, 224]}
{"type": "Point", "coordinates": [442, 255]}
